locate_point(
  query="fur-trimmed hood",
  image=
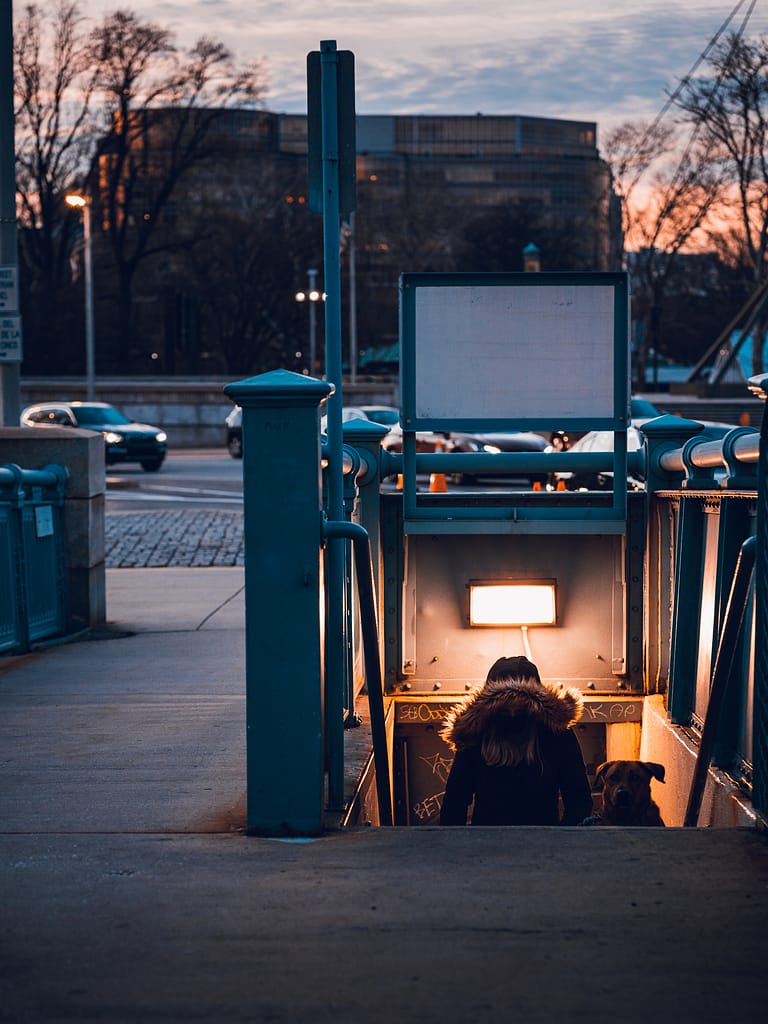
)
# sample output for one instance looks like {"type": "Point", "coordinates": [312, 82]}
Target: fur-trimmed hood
{"type": "Point", "coordinates": [505, 716]}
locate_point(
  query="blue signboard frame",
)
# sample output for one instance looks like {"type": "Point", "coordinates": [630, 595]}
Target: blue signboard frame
{"type": "Point", "coordinates": [481, 353]}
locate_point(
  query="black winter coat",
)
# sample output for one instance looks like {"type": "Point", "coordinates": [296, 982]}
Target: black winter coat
{"type": "Point", "coordinates": [515, 755]}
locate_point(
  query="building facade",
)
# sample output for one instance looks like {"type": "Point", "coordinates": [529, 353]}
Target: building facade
{"type": "Point", "coordinates": [434, 193]}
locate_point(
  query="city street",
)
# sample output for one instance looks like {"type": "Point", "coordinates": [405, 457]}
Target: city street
{"type": "Point", "coordinates": [208, 479]}
{"type": "Point", "coordinates": [189, 513]}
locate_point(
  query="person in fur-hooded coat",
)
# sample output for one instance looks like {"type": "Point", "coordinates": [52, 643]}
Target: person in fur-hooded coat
{"type": "Point", "coordinates": [516, 752]}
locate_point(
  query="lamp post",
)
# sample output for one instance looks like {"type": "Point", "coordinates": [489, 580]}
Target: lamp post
{"type": "Point", "coordinates": [312, 296]}
{"type": "Point", "coordinates": [81, 203]}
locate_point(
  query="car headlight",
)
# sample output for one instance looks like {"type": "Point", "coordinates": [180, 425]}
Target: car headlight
{"type": "Point", "coordinates": [488, 449]}
{"type": "Point", "coordinates": [111, 437]}
{"type": "Point", "coordinates": [160, 436]}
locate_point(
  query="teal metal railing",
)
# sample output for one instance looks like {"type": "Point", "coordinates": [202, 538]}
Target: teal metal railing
{"type": "Point", "coordinates": [703, 500]}
{"type": "Point", "coordinates": [603, 511]}
{"type": "Point", "coordinates": [722, 674]}
{"type": "Point", "coordinates": [366, 590]}
{"type": "Point", "coordinates": [701, 621]}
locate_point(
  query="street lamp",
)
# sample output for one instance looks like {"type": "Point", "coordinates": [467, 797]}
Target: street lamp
{"type": "Point", "coordinates": [312, 296]}
{"type": "Point", "coordinates": [81, 203]}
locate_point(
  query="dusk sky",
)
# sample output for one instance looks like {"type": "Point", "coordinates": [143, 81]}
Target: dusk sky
{"type": "Point", "coordinates": [548, 58]}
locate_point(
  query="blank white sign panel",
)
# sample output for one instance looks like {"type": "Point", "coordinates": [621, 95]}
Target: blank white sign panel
{"type": "Point", "coordinates": [525, 351]}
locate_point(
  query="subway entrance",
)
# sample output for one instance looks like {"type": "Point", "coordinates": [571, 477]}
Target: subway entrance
{"type": "Point", "coordinates": [609, 730]}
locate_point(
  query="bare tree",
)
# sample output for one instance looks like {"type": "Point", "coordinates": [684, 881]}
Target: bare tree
{"type": "Point", "coordinates": [728, 108]}
{"type": "Point", "coordinates": [163, 107]}
{"type": "Point", "coordinates": [667, 197]}
{"type": "Point", "coordinates": [119, 110]}
{"type": "Point", "coordinates": [53, 91]}
{"type": "Point", "coordinates": [250, 258]}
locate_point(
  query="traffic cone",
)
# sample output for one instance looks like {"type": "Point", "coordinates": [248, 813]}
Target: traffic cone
{"type": "Point", "coordinates": [536, 485]}
{"type": "Point", "coordinates": [437, 481]}
{"type": "Point", "coordinates": [561, 485]}
{"type": "Point", "coordinates": [399, 481]}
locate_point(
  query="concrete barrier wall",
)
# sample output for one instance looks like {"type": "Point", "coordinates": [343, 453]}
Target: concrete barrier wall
{"type": "Point", "coordinates": [741, 411]}
{"type": "Point", "coordinates": [191, 412]}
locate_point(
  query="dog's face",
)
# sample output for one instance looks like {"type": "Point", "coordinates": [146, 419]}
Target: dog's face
{"type": "Point", "coordinates": [627, 784]}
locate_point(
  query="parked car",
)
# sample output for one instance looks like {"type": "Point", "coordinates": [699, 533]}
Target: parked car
{"type": "Point", "coordinates": [387, 415]}
{"type": "Point", "coordinates": [597, 441]}
{"type": "Point", "coordinates": [640, 410]}
{"type": "Point", "coordinates": [602, 441]}
{"type": "Point", "coordinates": [494, 443]}
{"type": "Point", "coordinates": [125, 441]}
{"type": "Point", "coordinates": [448, 441]}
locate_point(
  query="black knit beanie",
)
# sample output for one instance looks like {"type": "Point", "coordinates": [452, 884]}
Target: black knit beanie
{"type": "Point", "coordinates": [513, 668]}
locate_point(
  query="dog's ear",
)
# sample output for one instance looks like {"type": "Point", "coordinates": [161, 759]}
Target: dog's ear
{"type": "Point", "coordinates": [601, 770]}
{"type": "Point", "coordinates": [656, 770]}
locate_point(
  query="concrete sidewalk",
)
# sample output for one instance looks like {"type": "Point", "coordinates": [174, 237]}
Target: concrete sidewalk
{"type": "Point", "coordinates": [141, 729]}
{"type": "Point", "coordinates": [129, 892]}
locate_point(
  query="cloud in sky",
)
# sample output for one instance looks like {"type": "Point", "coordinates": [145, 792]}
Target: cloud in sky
{"type": "Point", "coordinates": [548, 58]}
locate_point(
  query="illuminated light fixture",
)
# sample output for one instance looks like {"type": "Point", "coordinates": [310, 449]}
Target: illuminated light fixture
{"type": "Point", "coordinates": [512, 603]}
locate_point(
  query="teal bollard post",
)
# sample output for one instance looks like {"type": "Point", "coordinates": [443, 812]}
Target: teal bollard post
{"type": "Point", "coordinates": [663, 434]}
{"type": "Point", "coordinates": [366, 438]}
{"type": "Point", "coordinates": [283, 601]}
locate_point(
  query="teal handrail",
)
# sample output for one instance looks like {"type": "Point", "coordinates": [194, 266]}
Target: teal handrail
{"type": "Point", "coordinates": [484, 463]}
{"type": "Point", "coordinates": [721, 673]}
{"type": "Point", "coordinates": [372, 658]}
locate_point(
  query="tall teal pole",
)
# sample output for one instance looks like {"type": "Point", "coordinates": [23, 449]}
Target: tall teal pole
{"type": "Point", "coordinates": [282, 491]}
{"type": "Point", "coordinates": [336, 651]}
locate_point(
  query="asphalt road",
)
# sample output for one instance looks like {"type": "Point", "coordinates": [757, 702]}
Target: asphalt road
{"type": "Point", "coordinates": [208, 479]}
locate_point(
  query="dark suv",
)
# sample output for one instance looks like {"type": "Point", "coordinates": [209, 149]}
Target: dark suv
{"type": "Point", "coordinates": [124, 440]}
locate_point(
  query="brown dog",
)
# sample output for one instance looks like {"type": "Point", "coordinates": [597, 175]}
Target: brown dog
{"type": "Point", "coordinates": [627, 793]}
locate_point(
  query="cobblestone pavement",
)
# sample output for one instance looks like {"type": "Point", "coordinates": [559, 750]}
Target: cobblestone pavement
{"type": "Point", "coordinates": [180, 537]}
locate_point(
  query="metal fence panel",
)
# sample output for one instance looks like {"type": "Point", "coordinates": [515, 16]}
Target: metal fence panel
{"type": "Point", "coordinates": [10, 632]}
{"type": "Point", "coordinates": [32, 564]}
{"type": "Point", "coordinates": [42, 543]}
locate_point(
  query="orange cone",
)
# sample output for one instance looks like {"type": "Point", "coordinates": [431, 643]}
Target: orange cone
{"type": "Point", "coordinates": [536, 485]}
{"type": "Point", "coordinates": [437, 481]}
{"type": "Point", "coordinates": [399, 481]}
{"type": "Point", "coordinates": [561, 485]}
